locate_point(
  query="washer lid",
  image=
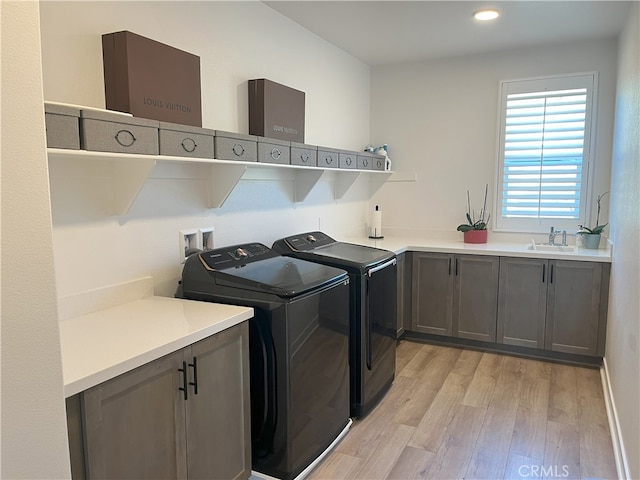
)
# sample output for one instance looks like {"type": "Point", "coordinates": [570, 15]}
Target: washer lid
{"type": "Point", "coordinates": [281, 276]}
{"type": "Point", "coordinates": [352, 254]}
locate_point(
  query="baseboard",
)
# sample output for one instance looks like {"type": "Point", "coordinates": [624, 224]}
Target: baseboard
{"type": "Point", "coordinates": [622, 465]}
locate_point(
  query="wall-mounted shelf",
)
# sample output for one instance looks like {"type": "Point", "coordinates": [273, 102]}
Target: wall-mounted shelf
{"type": "Point", "coordinates": [129, 173]}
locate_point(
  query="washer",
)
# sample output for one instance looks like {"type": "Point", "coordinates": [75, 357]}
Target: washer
{"type": "Point", "coordinates": [298, 349]}
{"type": "Point", "coordinates": [373, 313]}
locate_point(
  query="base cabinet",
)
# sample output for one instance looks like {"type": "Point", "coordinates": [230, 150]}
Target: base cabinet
{"type": "Point", "coordinates": [185, 415]}
{"type": "Point", "coordinates": [455, 295]}
{"type": "Point", "coordinates": [554, 305]}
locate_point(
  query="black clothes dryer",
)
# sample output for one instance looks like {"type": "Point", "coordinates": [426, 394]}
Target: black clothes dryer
{"type": "Point", "coordinates": [373, 312]}
{"type": "Point", "coordinates": [298, 348]}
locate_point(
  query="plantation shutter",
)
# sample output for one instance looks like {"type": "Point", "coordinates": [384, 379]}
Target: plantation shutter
{"type": "Point", "coordinates": [544, 147]}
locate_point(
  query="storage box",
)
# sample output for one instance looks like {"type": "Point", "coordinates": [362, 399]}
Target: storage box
{"type": "Point", "coordinates": [150, 79]}
{"type": "Point", "coordinates": [347, 160]}
{"type": "Point", "coordinates": [271, 150]}
{"type": "Point", "coordinates": [63, 126]}
{"type": "Point", "coordinates": [302, 154]}
{"type": "Point", "coordinates": [236, 146]}
{"type": "Point", "coordinates": [379, 162]}
{"type": "Point", "coordinates": [328, 157]}
{"type": "Point", "coordinates": [186, 141]}
{"type": "Point", "coordinates": [112, 132]}
{"type": "Point", "coordinates": [276, 111]}
{"type": "Point", "coordinates": [364, 161]}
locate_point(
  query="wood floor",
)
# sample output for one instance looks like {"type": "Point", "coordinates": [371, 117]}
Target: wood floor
{"type": "Point", "coordinates": [462, 414]}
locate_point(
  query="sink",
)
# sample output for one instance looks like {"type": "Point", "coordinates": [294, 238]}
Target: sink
{"type": "Point", "coordinates": [543, 247]}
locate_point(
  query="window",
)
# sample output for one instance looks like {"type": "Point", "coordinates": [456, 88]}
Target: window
{"type": "Point", "coordinates": [544, 155]}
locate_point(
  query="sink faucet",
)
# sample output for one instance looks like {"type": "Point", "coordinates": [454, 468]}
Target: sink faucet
{"type": "Point", "coordinates": [552, 236]}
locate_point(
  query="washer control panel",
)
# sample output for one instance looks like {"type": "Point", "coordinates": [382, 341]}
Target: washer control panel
{"type": "Point", "coordinates": [236, 255]}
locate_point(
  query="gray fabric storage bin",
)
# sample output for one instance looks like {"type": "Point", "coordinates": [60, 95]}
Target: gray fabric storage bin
{"type": "Point", "coordinates": [186, 141]}
{"type": "Point", "coordinates": [236, 146]}
{"type": "Point", "coordinates": [379, 162]}
{"type": "Point", "coordinates": [111, 132]}
{"type": "Point", "coordinates": [364, 161]}
{"type": "Point", "coordinates": [62, 123]}
{"type": "Point", "coordinates": [347, 160]}
{"type": "Point", "coordinates": [271, 150]}
{"type": "Point", "coordinates": [302, 154]}
{"type": "Point", "coordinates": [328, 157]}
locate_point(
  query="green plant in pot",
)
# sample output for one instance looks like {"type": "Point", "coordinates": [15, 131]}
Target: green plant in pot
{"type": "Point", "coordinates": [591, 236]}
{"type": "Point", "coordinates": [475, 230]}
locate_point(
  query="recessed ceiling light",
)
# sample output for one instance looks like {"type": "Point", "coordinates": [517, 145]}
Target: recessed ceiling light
{"type": "Point", "coordinates": [486, 14]}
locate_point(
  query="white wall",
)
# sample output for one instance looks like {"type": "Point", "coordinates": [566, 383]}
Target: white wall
{"type": "Point", "coordinates": [440, 120]}
{"type": "Point", "coordinates": [33, 433]}
{"type": "Point", "coordinates": [236, 41]}
{"type": "Point", "coordinates": [623, 333]}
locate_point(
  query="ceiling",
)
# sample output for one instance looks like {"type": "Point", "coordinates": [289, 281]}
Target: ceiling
{"type": "Point", "coordinates": [387, 32]}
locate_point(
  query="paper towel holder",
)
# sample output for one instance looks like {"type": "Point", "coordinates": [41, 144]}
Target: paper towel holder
{"type": "Point", "coordinates": [376, 224]}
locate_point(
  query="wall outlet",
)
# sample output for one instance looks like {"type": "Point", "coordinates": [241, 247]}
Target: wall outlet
{"type": "Point", "coordinates": [206, 234]}
{"type": "Point", "coordinates": [188, 240]}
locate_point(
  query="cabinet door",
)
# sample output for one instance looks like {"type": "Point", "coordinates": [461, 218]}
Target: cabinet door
{"type": "Point", "coordinates": [573, 307]}
{"type": "Point", "coordinates": [475, 297]}
{"type": "Point", "coordinates": [135, 423]}
{"type": "Point", "coordinates": [432, 293]}
{"type": "Point", "coordinates": [522, 301]}
{"type": "Point", "coordinates": [400, 295]}
{"type": "Point", "coordinates": [218, 416]}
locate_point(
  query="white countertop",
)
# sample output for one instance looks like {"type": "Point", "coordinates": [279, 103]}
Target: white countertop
{"type": "Point", "coordinates": [100, 345]}
{"type": "Point", "coordinates": [428, 243]}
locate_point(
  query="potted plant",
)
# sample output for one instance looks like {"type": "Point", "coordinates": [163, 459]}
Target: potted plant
{"type": "Point", "coordinates": [475, 230]}
{"type": "Point", "coordinates": [591, 236]}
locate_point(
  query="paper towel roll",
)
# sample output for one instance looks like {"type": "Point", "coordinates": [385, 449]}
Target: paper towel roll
{"type": "Point", "coordinates": [376, 223]}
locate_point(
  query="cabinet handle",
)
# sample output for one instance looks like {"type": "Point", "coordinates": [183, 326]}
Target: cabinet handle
{"type": "Point", "coordinates": [544, 268]}
{"type": "Point", "coordinates": [449, 265]}
{"type": "Point", "coordinates": [183, 370]}
{"type": "Point", "coordinates": [456, 267]}
{"type": "Point", "coordinates": [551, 274]}
{"type": "Point", "coordinates": [194, 365]}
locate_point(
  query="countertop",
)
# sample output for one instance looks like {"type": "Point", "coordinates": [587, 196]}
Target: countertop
{"type": "Point", "coordinates": [428, 243]}
{"type": "Point", "coordinates": [100, 345]}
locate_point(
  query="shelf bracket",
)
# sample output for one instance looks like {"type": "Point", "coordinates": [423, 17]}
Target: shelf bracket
{"type": "Point", "coordinates": [305, 181]}
{"type": "Point", "coordinates": [128, 178]}
{"type": "Point", "coordinates": [344, 182]}
{"type": "Point", "coordinates": [376, 181]}
{"type": "Point", "coordinates": [224, 178]}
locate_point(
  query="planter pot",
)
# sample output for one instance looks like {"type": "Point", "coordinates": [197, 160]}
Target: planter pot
{"type": "Point", "coordinates": [591, 240]}
{"type": "Point", "coordinates": [475, 236]}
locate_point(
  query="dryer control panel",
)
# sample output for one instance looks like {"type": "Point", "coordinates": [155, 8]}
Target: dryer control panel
{"type": "Point", "coordinates": [236, 255]}
{"type": "Point", "coordinates": [307, 241]}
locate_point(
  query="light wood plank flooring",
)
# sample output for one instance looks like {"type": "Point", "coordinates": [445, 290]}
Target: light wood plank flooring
{"type": "Point", "coordinates": [462, 414]}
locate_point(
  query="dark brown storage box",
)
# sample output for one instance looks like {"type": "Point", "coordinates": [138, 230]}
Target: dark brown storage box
{"type": "Point", "coordinates": [271, 150]}
{"type": "Point", "coordinates": [186, 141]}
{"type": "Point", "coordinates": [63, 126]}
{"type": "Point", "coordinates": [364, 161]}
{"type": "Point", "coordinates": [302, 154]}
{"type": "Point", "coordinates": [236, 146]}
{"type": "Point", "coordinates": [379, 162]}
{"type": "Point", "coordinates": [276, 111]}
{"type": "Point", "coordinates": [150, 79]}
{"type": "Point", "coordinates": [328, 157]}
{"type": "Point", "coordinates": [111, 132]}
{"type": "Point", "coordinates": [347, 160]}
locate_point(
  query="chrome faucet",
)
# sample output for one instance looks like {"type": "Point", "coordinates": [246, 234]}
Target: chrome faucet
{"type": "Point", "coordinates": [552, 236]}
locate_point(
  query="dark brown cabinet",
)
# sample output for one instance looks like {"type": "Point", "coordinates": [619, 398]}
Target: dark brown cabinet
{"type": "Point", "coordinates": [556, 305]}
{"type": "Point", "coordinates": [185, 415]}
{"type": "Point", "coordinates": [455, 295]}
